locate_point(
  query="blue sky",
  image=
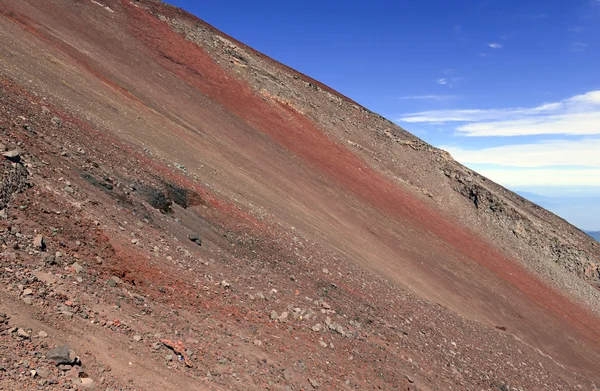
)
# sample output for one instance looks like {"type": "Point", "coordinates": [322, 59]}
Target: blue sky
{"type": "Point", "coordinates": [509, 88]}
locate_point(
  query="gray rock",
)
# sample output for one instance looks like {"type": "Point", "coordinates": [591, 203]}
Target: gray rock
{"type": "Point", "coordinates": [62, 355]}
{"type": "Point", "coordinates": [195, 238]}
{"type": "Point", "coordinates": [65, 367]}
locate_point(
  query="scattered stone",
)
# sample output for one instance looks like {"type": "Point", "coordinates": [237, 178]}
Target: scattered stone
{"type": "Point", "coordinates": [274, 315]}
{"type": "Point", "coordinates": [178, 348]}
{"type": "Point", "coordinates": [87, 382]}
{"type": "Point", "coordinates": [315, 384]}
{"type": "Point", "coordinates": [195, 238]}
{"type": "Point", "coordinates": [27, 292]}
{"type": "Point", "coordinates": [42, 334]}
{"type": "Point", "coordinates": [56, 121]}
{"type": "Point", "coordinates": [13, 156]}
{"type": "Point", "coordinates": [39, 242]}
{"type": "Point", "coordinates": [43, 372]}
{"type": "Point", "coordinates": [77, 268]}
{"type": "Point", "coordinates": [225, 284]}
{"type": "Point", "coordinates": [114, 281]}
{"type": "Point", "coordinates": [62, 355]}
{"type": "Point", "coordinates": [137, 338]}
{"type": "Point", "coordinates": [283, 317]}
{"type": "Point", "coordinates": [22, 333]}
{"type": "Point", "coordinates": [74, 372]}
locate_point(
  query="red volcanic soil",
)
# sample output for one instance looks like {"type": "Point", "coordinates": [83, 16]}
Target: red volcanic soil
{"type": "Point", "coordinates": [317, 268]}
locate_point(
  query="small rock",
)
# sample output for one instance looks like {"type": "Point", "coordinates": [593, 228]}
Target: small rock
{"type": "Point", "coordinates": [225, 284]}
{"type": "Point", "coordinates": [77, 268]}
{"type": "Point", "coordinates": [65, 367]}
{"type": "Point", "coordinates": [73, 372]}
{"type": "Point", "coordinates": [195, 238]}
{"type": "Point", "coordinates": [86, 381]}
{"type": "Point", "coordinates": [283, 317]}
{"type": "Point", "coordinates": [42, 334]}
{"type": "Point", "coordinates": [315, 384]}
{"type": "Point", "coordinates": [274, 315]}
{"type": "Point", "coordinates": [13, 156]}
{"type": "Point", "coordinates": [137, 338]}
{"type": "Point", "coordinates": [62, 355]}
{"type": "Point", "coordinates": [27, 292]}
{"type": "Point", "coordinates": [39, 242]}
{"type": "Point", "coordinates": [42, 372]}
{"type": "Point", "coordinates": [22, 333]}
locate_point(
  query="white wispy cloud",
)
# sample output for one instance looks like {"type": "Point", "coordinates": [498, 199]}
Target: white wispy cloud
{"type": "Point", "coordinates": [585, 153]}
{"type": "Point", "coordinates": [543, 177]}
{"type": "Point", "coordinates": [578, 115]}
{"type": "Point", "coordinates": [430, 97]}
{"type": "Point", "coordinates": [579, 46]}
{"type": "Point", "coordinates": [495, 45]}
{"type": "Point", "coordinates": [451, 82]}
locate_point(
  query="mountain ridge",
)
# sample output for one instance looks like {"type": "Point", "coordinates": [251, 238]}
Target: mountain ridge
{"type": "Point", "coordinates": [169, 130]}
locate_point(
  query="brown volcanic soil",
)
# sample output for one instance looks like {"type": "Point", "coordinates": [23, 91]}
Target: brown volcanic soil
{"type": "Point", "coordinates": [339, 252]}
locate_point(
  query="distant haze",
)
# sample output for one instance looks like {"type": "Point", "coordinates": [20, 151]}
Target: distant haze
{"type": "Point", "coordinates": [580, 207]}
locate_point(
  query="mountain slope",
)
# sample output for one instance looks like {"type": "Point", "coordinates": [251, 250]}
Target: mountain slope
{"type": "Point", "coordinates": [337, 248]}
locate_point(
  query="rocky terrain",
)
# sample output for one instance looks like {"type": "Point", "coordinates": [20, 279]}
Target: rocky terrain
{"type": "Point", "coordinates": [180, 212]}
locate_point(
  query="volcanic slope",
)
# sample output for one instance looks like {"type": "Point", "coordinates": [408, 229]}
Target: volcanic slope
{"type": "Point", "coordinates": [188, 214]}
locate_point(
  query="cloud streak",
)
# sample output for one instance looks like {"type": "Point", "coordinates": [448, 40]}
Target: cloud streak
{"type": "Point", "coordinates": [543, 177]}
{"type": "Point", "coordinates": [578, 115]}
{"type": "Point", "coordinates": [495, 45]}
{"type": "Point", "coordinates": [585, 152]}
